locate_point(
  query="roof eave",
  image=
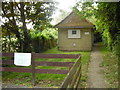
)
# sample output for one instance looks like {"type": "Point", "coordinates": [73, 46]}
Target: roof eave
{"type": "Point", "coordinates": [75, 26]}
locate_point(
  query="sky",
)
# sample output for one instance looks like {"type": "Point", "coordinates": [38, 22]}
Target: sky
{"type": "Point", "coordinates": [65, 5]}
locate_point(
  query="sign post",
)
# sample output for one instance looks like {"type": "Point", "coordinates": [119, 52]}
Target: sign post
{"type": "Point", "coordinates": [25, 59]}
{"type": "Point", "coordinates": [33, 70]}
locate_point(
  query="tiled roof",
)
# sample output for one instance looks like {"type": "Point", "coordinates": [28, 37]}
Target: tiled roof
{"type": "Point", "coordinates": [74, 21]}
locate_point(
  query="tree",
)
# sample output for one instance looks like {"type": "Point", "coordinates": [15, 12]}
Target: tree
{"type": "Point", "coordinates": [18, 15]}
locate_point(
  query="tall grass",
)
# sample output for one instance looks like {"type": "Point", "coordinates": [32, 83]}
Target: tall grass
{"type": "Point", "coordinates": [110, 64]}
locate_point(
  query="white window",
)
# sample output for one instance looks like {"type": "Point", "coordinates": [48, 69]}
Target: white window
{"type": "Point", "coordinates": [73, 33]}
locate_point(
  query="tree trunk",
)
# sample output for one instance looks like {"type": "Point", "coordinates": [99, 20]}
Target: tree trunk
{"type": "Point", "coordinates": [25, 33]}
{"type": "Point", "coordinates": [15, 29]}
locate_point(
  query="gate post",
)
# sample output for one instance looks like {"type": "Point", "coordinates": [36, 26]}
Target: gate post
{"type": "Point", "coordinates": [33, 69]}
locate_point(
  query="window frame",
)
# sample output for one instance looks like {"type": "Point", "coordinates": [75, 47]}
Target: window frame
{"type": "Point", "coordinates": [71, 35]}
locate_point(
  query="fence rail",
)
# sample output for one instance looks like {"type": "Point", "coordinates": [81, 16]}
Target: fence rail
{"type": "Point", "coordinates": [74, 67]}
{"type": "Point", "coordinates": [42, 63]}
{"type": "Point", "coordinates": [11, 69]}
{"type": "Point", "coordinates": [38, 55]}
{"type": "Point", "coordinates": [73, 77]}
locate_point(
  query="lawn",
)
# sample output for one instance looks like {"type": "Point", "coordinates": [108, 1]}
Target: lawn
{"type": "Point", "coordinates": [110, 65]}
{"type": "Point", "coordinates": [48, 80]}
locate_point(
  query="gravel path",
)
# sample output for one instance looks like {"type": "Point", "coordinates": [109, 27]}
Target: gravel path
{"type": "Point", "coordinates": [95, 76]}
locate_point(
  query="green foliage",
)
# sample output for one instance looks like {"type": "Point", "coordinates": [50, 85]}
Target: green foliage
{"type": "Point", "coordinates": [106, 19]}
{"type": "Point", "coordinates": [107, 22]}
{"type": "Point", "coordinates": [49, 33]}
{"type": "Point", "coordinates": [43, 40]}
{"type": "Point", "coordinates": [87, 10]}
{"type": "Point", "coordinates": [117, 45]}
{"type": "Point", "coordinates": [106, 38]}
{"type": "Point", "coordinates": [40, 41]}
{"type": "Point", "coordinates": [107, 15]}
{"type": "Point", "coordinates": [18, 15]}
{"type": "Point", "coordinates": [10, 44]}
{"type": "Point", "coordinates": [110, 65]}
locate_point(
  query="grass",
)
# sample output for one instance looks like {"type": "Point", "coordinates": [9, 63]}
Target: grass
{"type": "Point", "coordinates": [110, 65]}
{"type": "Point", "coordinates": [48, 80]}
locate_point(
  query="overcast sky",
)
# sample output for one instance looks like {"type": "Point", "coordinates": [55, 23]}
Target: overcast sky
{"type": "Point", "coordinates": [65, 5]}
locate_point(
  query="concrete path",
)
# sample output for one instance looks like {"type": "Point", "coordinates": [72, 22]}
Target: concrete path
{"type": "Point", "coordinates": [95, 76]}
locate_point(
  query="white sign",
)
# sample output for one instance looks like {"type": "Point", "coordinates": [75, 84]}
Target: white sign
{"type": "Point", "coordinates": [22, 59]}
{"type": "Point", "coordinates": [87, 33]}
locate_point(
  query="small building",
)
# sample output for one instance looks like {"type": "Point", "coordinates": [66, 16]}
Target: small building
{"type": "Point", "coordinates": [75, 34]}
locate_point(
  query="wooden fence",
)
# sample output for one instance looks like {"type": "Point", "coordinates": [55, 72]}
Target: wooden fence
{"type": "Point", "coordinates": [73, 74]}
{"type": "Point", "coordinates": [73, 77]}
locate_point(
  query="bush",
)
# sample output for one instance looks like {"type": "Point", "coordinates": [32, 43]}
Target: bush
{"type": "Point", "coordinates": [39, 41]}
{"type": "Point", "coordinates": [43, 40]}
{"type": "Point", "coordinates": [116, 45]}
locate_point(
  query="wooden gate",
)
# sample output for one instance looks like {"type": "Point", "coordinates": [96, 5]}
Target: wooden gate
{"type": "Point", "coordinates": [73, 74]}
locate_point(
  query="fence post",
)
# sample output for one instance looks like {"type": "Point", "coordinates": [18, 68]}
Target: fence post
{"type": "Point", "coordinates": [79, 77]}
{"type": "Point", "coordinates": [33, 69]}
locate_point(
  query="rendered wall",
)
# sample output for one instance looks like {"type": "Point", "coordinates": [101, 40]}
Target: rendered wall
{"type": "Point", "coordinates": [74, 44]}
